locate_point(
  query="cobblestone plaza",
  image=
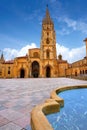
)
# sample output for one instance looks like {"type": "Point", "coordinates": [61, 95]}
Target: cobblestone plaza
{"type": "Point", "coordinates": [19, 96]}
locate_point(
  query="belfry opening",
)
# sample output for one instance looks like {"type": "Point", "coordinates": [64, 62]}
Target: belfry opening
{"type": "Point", "coordinates": [22, 73]}
{"type": "Point", "coordinates": [35, 69]}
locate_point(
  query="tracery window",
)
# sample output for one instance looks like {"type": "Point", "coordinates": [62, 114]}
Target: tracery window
{"type": "Point", "coordinates": [8, 70]}
{"type": "Point", "coordinates": [47, 41]}
{"type": "Point", "coordinates": [48, 54]}
{"type": "Point", "coordinates": [0, 72]}
{"type": "Point", "coordinates": [47, 34]}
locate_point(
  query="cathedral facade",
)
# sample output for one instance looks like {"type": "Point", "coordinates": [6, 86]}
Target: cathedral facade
{"type": "Point", "coordinates": [42, 62]}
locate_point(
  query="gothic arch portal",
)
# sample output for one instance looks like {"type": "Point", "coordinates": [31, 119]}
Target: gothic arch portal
{"type": "Point", "coordinates": [22, 73]}
{"type": "Point", "coordinates": [48, 71]}
{"type": "Point", "coordinates": [35, 69]}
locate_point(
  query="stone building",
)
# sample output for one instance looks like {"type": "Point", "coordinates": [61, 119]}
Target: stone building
{"type": "Point", "coordinates": [43, 61]}
{"type": "Point", "coordinates": [79, 68]}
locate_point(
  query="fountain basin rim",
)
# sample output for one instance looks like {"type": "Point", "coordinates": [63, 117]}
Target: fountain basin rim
{"type": "Point", "coordinates": [52, 105]}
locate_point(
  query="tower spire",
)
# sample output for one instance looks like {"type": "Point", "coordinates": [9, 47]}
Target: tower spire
{"type": "Point", "coordinates": [47, 19]}
{"type": "Point", "coordinates": [47, 12]}
{"type": "Point", "coordinates": [2, 57]}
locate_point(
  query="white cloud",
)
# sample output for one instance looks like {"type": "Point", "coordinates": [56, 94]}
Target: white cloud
{"type": "Point", "coordinates": [69, 25]}
{"type": "Point", "coordinates": [23, 51]}
{"type": "Point", "coordinates": [12, 53]}
{"type": "Point", "coordinates": [76, 25]}
{"type": "Point", "coordinates": [82, 27]}
{"type": "Point", "coordinates": [71, 55]}
{"type": "Point", "coordinates": [63, 31]}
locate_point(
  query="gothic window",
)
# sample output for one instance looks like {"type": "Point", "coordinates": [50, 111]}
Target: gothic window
{"type": "Point", "coordinates": [8, 70]}
{"type": "Point", "coordinates": [47, 41]}
{"type": "Point", "coordinates": [47, 34]}
{"type": "Point", "coordinates": [0, 72]}
{"type": "Point", "coordinates": [48, 54]}
{"type": "Point", "coordinates": [47, 27]}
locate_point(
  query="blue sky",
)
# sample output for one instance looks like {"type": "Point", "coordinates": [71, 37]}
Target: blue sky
{"type": "Point", "coordinates": [21, 21]}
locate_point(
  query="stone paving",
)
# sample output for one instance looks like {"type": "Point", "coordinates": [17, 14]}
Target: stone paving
{"type": "Point", "coordinates": [19, 96]}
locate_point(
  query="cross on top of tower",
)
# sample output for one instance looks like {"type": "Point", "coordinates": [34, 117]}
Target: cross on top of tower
{"type": "Point", "coordinates": [47, 5]}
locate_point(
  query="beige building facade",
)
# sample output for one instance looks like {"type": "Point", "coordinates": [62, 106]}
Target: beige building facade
{"type": "Point", "coordinates": [42, 62]}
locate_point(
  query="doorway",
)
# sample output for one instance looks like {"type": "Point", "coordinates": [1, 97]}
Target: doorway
{"type": "Point", "coordinates": [35, 69]}
{"type": "Point", "coordinates": [48, 72]}
{"type": "Point", "coordinates": [22, 73]}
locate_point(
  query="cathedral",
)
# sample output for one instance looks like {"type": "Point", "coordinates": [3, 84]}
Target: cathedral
{"type": "Point", "coordinates": [43, 62]}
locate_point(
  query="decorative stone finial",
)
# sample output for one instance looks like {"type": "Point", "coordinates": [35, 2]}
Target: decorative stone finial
{"type": "Point", "coordinates": [47, 5]}
{"type": "Point", "coordinates": [85, 40]}
{"type": "Point", "coordinates": [60, 57]}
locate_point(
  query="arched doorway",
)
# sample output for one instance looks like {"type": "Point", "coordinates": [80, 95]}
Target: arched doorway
{"type": "Point", "coordinates": [75, 73]}
{"type": "Point", "coordinates": [48, 72]}
{"type": "Point", "coordinates": [22, 73]}
{"type": "Point", "coordinates": [85, 71]}
{"type": "Point", "coordinates": [35, 69]}
{"type": "Point", "coordinates": [80, 72]}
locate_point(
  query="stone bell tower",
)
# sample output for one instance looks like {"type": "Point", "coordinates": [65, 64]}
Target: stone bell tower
{"type": "Point", "coordinates": [48, 54]}
{"type": "Point", "coordinates": [48, 39]}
